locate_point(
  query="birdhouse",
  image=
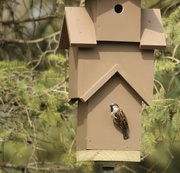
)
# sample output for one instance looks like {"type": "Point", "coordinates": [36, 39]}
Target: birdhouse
{"type": "Point", "coordinates": [111, 55]}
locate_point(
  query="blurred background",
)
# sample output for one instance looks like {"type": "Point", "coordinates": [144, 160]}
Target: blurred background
{"type": "Point", "coordinates": [38, 126]}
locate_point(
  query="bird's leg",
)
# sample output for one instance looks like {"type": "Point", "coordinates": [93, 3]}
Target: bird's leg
{"type": "Point", "coordinates": [113, 116]}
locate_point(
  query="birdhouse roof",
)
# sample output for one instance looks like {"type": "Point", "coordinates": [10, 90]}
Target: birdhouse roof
{"type": "Point", "coordinates": [78, 29]}
{"type": "Point", "coordinates": [152, 33]}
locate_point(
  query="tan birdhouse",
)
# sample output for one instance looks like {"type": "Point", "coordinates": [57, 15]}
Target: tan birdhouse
{"type": "Point", "coordinates": [111, 55]}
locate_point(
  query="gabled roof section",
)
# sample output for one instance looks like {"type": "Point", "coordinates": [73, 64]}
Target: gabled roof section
{"type": "Point", "coordinates": [116, 69]}
{"type": "Point", "coordinates": [78, 29]}
{"type": "Point", "coordinates": [100, 83]}
{"type": "Point", "coordinates": [152, 33]}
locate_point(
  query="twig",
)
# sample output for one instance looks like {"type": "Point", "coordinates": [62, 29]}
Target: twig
{"type": "Point", "coordinates": [172, 58]}
{"type": "Point", "coordinates": [126, 167]}
{"type": "Point", "coordinates": [159, 83]}
{"type": "Point", "coordinates": [167, 166]}
{"type": "Point", "coordinates": [156, 88]}
{"type": "Point", "coordinates": [173, 4]}
{"type": "Point", "coordinates": [34, 146]}
{"type": "Point", "coordinates": [40, 59]}
{"type": "Point", "coordinates": [150, 169]}
{"type": "Point", "coordinates": [147, 169]}
{"type": "Point", "coordinates": [172, 79]}
{"type": "Point", "coordinates": [175, 49]}
{"type": "Point", "coordinates": [71, 146]}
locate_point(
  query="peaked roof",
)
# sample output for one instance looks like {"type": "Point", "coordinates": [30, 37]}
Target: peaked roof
{"type": "Point", "coordinates": [78, 29]}
{"type": "Point", "coordinates": [152, 33]}
{"type": "Point", "coordinates": [115, 69]}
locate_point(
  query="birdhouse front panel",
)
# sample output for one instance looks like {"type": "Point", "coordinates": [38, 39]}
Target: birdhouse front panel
{"type": "Point", "coordinates": [116, 20]}
{"type": "Point", "coordinates": [102, 132]}
{"type": "Point", "coordinates": [135, 66]}
{"type": "Point", "coordinates": [96, 128]}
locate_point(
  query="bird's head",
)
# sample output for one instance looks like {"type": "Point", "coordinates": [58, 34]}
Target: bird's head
{"type": "Point", "coordinates": [114, 107]}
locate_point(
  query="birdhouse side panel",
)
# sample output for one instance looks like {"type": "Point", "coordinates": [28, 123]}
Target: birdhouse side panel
{"type": "Point", "coordinates": [102, 132]}
{"type": "Point", "coordinates": [73, 72]}
{"type": "Point", "coordinates": [82, 125]}
{"type": "Point", "coordinates": [80, 27]}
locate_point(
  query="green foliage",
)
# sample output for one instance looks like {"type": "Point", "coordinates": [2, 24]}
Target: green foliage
{"type": "Point", "coordinates": [172, 25]}
{"type": "Point", "coordinates": [36, 122]}
{"type": "Point", "coordinates": [161, 120]}
{"type": "Point", "coordinates": [167, 66]}
{"type": "Point", "coordinates": [157, 3]}
{"type": "Point", "coordinates": [164, 66]}
{"type": "Point", "coordinates": [32, 104]}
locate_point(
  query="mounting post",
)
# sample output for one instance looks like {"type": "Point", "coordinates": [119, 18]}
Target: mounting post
{"type": "Point", "coordinates": [108, 169]}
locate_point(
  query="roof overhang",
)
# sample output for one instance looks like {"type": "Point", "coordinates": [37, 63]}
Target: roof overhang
{"type": "Point", "coordinates": [78, 29]}
{"type": "Point", "coordinates": [115, 69]}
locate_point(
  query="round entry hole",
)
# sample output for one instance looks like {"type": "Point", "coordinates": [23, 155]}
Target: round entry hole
{"type": "Point", "coordinates": [118, 8]}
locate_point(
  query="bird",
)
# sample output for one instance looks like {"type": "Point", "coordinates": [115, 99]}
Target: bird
{"type": "Point", "coordinates": [120, 119]}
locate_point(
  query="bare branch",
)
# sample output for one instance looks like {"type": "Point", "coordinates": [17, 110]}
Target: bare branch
{"type": "Point", "coordinates": [29, 20]}
{"type": "Point", "coordinates": [173, 59]}
{"type": "Point", "coordinates": [174, 51]}
{"type": "Point", "coordinates": [29, 41]}
{"type": "Point", "coordinates": [172, 80]}
{"type": "Point", "coordinates": [144, 168]}
{"type": "Point", "coordinates": [125, 167]}
{"type": "Point", "coordinates": [54, 167]}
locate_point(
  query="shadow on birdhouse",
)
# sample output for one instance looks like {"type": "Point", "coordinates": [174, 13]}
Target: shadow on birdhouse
{"type": "Point", "coordinates": [111, 55]}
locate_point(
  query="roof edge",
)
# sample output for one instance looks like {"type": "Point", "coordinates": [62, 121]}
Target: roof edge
{"type": "Point", "coordinates": [114, 69]}
{"type": "Point", "coordinates": [152, 32]}
{"type": "Point", "coordinates": [64, 37]}
{"type": "Point", "coordinates": [78, 29]}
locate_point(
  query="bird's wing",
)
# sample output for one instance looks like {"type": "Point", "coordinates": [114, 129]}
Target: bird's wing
{"type": "Point", "coordinates": [122, 119]}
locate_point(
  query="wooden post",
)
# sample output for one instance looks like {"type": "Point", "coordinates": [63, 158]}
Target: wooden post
{"type": "Point", "coordinates": [108, 169]}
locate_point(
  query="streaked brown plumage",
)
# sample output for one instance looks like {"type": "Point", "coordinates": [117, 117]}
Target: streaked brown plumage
{"type": "Point", "coordinates": [120, 119]}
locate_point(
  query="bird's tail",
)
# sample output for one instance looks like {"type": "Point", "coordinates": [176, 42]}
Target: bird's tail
{"type": "Point", "coordinates": [126, 135]}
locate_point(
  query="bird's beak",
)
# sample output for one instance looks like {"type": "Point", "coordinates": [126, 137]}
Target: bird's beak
{"type": "Point", "coordinates": [111, 104]}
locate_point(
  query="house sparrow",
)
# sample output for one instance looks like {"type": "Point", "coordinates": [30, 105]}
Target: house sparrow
{"type": "Point", "coordinates": [120, 119]}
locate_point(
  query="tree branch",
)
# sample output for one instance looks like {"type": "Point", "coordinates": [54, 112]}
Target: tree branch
{"type": "Point", "coordinates": [29, 20]}
{"type": "Point", "coordinates": [29, 41]}
{"type": "Point", "coordinates": [53, 167]}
